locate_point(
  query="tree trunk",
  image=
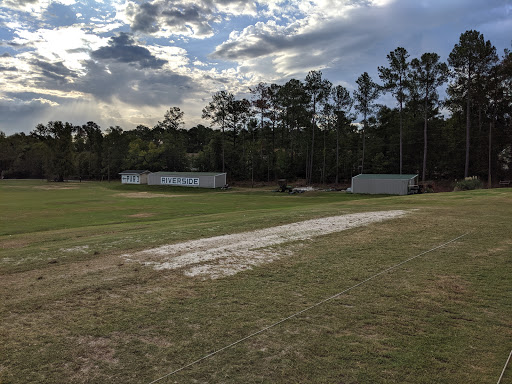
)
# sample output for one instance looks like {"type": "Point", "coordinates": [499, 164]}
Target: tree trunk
{"type": "Point", "coordinates": [307, 163]}
{"type": "Point", "coordinates": [312, 141]}
{"type": "Point", "coordinates": [252, 161]}
{"type": "Point", "coordinates": [323, 165]}
{"type": "Point", "coordinates": [425, 127]}
{"type": "Point", "coordinates": [468, 125]}
{"type": "Point", "coordinates": [364, 128]}
{"type": "Point", "coordinates": [312, 153]}
{"type": "Point", "coordinates": [337, 152]}
{"type": "Point", "coordinates": [273, 145]}
{"type": "Point", "coordinates": [222, 141]}
{"type": "Point", "coordinates": [400, 136]}
{"type": "Point", "coordinates": [489, 178]}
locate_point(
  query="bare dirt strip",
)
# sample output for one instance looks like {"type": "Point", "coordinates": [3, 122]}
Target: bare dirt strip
{"type": "Point", "coordinates": [220, 256]}
{"type": "Point", "coordinates": [144, 195]}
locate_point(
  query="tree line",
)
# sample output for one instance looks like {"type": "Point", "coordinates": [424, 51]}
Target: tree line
{"type": "Point", "coordinates": [308, 129]}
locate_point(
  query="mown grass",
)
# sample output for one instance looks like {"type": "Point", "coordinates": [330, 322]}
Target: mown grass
{"type": "Point", "coordinates": [73, 310]}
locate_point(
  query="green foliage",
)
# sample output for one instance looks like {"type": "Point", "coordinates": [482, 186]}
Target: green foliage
{"type": "Point", "coordinates": [472, 60]}
{"type": "Point", "coordinates": [304, 129]}
{"type": "Point", "coordinates": [468, 184]}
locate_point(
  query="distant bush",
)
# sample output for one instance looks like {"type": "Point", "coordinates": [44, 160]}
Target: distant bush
{"type": "Point", "coordinates": [469, 183]}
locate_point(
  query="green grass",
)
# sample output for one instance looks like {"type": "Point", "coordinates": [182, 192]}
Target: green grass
{"type": "Point", "coordinates": [73, 310]}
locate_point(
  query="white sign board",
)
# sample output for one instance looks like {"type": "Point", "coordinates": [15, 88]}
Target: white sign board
{"type": "Point", "coordinates": [130, 179]}
{"type": "Point", "coordinates": [173, 180]}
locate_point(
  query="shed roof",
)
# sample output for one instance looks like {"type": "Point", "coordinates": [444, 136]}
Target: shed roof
{"type": "Point", "coordinates": [188, 173]}
{"type": "Point", "coordinates": [376, 176]}
{"type": "Point", "coordinates": [136, 171]}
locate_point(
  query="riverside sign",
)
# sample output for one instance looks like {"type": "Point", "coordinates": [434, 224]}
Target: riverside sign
{"type": "Point", "coordinates": [173, 180]}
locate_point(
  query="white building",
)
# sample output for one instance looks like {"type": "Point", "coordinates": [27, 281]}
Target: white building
{"type": "Point", "coordinates": [384, 184]}
{"type": "Point", "coordinates": [188, 179]}
{"type": "Point", "coordinates": [134, 177]}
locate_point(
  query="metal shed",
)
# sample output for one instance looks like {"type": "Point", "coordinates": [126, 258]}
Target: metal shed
{"type": "Point", "coordinates": [134, 176]}
{"type": "Point", "coordinates": [384, 184]}
{"type": "Point", "coordinates": [188, 179]}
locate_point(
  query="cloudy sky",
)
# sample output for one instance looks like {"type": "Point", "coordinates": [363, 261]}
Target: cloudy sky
{"type": "Point", "coordinates": [125, 62]}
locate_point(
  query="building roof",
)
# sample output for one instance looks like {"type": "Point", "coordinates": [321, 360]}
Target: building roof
{"type": "Point", "coordinates": [136, 171]}
{"type": "Point", "coordinates": [376, 176]}
{"type": "Point", "coordinates": [183, 174]}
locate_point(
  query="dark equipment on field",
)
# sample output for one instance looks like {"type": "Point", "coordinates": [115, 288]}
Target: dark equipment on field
{"type": "Point", "coordinates": [283, 187]}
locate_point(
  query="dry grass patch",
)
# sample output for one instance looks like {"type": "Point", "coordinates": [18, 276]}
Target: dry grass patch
{"type": "Point", "coordinates": [145, 195]}
{"type": "Point", "coordinates": [53, 187]}
{"type": "Point", "coordinates": [96, 319]}
{"type": "Point", "coordinates": [13, 244]}
{"type": "Point", "coordinates": [141, 215]}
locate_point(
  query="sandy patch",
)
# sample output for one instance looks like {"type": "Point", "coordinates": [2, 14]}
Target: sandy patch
{"type": "Point", "coordinates": [141, 215]}
{"type": "Point", "coordinates": [144, 195]}
{"type": "Point", "coordinates": [78, 248]}
{"type": "Point", "coordinates": [52, 187]}
{"type": "Point", "coordinates": [11, 244]}
{"type": "Point", "coordinates": [226, 255]}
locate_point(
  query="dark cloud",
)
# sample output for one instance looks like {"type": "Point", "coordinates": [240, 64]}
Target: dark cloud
{"type": "Point", "coordinates": [19, 3]}
{"type": "Point", "coordinates": [18, 115]}
{"type": "Point", "coordinates": [261, 44]}
{"type": "Point", "coordinates": [145, 18]}
{"type": "Point", "coordinates": [7, 69]}
{"type": "Point", "coordinates": [177, 16]}
{"type": "Point", "coordinates": [180, 18]}
{"type": "Point", "coordinates": [56, 71]}
{"type": "Point", "coordinates": [25, 97]}
{"type": "Point", "coordinates": [229, 6]}
{"type": "Point", "coordinates": [78, 50]}
{"type": "Point", "coordinates": [122, 49]}
{"type": "Point", "coordinates": [21, 45]}
{"type": "Point", "coordinates": [132, 86]}
{"type": "Point", "coordinates": [5, 54]}
{"type": "Point", "coordinates": [363, 34]}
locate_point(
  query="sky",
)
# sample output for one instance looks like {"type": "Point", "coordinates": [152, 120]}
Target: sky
{"type": "Point", "coordinates": [126, 62]}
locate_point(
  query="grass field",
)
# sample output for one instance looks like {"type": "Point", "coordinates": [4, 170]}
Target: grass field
{"type": "Point", "coordinates": [73, 310]}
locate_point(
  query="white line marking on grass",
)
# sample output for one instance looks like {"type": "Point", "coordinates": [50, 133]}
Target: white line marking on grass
{"type": "Point", "coordinates": [504, 368]}
{"type": "Point", "coordinates": [78, 248]}
{"type": "Point", "coordinates": [309, 308]}
{"type": "Point", "coordinates": [226, 255]}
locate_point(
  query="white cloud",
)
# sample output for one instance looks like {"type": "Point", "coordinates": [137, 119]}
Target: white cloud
{"type": "Point", "coordinates": [176, 57]}
{"type": "Point", "coordinates": [34, 7]}
{"type": "Point", "coordinates": [67, 44]}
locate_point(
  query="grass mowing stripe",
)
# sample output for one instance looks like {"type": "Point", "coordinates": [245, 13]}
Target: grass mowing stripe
{"type": "Point", "coordinates": [504, 368]}
{"type": "Point", "coordinates": [311, 307]}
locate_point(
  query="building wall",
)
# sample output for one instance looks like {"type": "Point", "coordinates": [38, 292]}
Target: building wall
{"type": "Point", "coordinates": [220, 180]}
{"type": "Point", "coordinates": [133, 178]}
{"type": "Point", "coordinates": [187, 180]}
{"type": "Point", "coordinates": [380, 186]}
